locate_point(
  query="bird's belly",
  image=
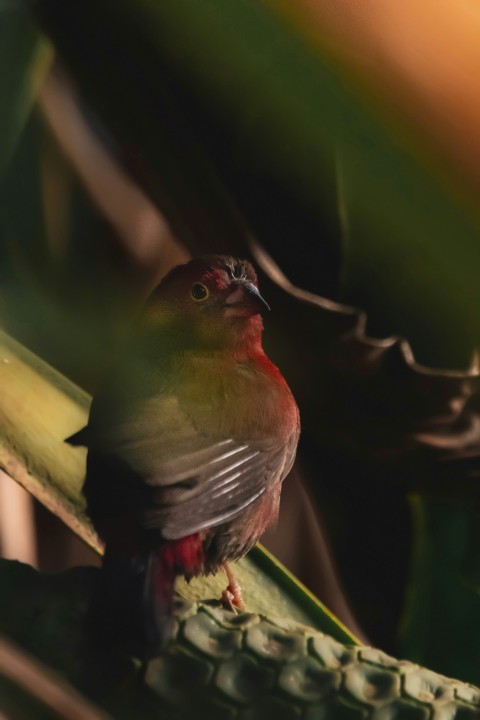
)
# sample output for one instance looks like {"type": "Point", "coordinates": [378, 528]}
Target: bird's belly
{"type": "Point", "coordinates": [234, 539]}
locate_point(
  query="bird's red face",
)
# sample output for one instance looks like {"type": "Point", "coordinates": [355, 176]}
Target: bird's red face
{"type": "Point", "coordinates": [231, 289]}
{"type": "Point", "coordinates": [215, 297]}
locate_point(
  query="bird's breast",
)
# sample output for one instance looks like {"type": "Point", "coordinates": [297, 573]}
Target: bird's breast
{"type": "Point", "coordinates": [239, 399]}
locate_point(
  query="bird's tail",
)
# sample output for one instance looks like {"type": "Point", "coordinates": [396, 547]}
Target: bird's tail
{"type": "Point", "coordinates": [132, 605]}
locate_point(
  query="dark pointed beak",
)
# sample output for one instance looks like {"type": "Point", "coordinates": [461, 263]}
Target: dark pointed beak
{"type": "Point", "coordinates": [245, 295]}
{"type": "Point", "coordinates": [253, 290]}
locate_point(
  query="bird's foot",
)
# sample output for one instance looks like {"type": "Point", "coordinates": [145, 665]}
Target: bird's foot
{"type": "Point", "coordinates": [232, 596]}
{"type": "Point", "coordinates": [233, 600]}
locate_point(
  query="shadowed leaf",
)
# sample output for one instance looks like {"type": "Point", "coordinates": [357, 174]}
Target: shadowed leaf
{"type": "Point", "coordinates": [24, 58]}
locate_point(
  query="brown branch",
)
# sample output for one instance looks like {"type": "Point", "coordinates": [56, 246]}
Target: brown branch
{"type": "Point", "coordinates": [44, 685]}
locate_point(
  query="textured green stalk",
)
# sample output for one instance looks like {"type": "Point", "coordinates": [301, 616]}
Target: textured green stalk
{"type": "Point", "coordinates": [222, 666]}
{"type": "Point", "coordinates": [252, 666]}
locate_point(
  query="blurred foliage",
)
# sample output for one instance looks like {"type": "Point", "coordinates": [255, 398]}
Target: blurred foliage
{"type": "Point", "coordinates": [234, 121]}
{"type": "Point", "coordinates": [439, 589]}
{"type": "Point", "coordinates": [24, 59]}
{"type": "Point", "coordinates": [277, 120]}
{"type": "Point", "coordinates": [69, 281]}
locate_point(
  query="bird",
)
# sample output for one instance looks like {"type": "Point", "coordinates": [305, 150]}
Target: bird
{"type": "Point", "coordinates": [190, 436]}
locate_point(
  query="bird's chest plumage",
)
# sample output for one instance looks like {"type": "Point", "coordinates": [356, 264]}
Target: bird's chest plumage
{"type": "Point", "coordinates": [235, 398]}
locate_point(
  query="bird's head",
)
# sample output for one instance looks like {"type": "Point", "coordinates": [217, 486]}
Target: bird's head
{"type": "Point", "coordinates": [214, 301]}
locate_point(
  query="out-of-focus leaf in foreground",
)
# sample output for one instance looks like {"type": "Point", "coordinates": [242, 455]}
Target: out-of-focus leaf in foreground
{"type": "Point", "coordinates": [271, 113]}
{"type": "Point", "coordinates": [24, 59]}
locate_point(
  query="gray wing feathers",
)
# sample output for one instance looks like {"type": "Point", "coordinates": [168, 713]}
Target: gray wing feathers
{"type": "Point", "coordinates": [197, 481]}
{"type": "Point", "coordinates": [216, 496]}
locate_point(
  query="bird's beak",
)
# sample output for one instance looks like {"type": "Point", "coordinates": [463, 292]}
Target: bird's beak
{"type": "Point", "coordinates": [247, 296]}
{"type": "Point", "coordinates": [254, 292]}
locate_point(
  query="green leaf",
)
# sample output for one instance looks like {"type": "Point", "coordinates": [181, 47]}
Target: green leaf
{"type": "Point", "coordinates": [440, 626]}
{"type": "Point", "coordinates": [58, 293]}
{"type": "Point", "coordinates": [265, 109]}
{"type": "Point", "coordinates": [24, 59]}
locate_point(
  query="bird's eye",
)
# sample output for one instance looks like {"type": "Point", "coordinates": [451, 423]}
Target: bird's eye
{"type": "Point", "coordinates": [199, 292]}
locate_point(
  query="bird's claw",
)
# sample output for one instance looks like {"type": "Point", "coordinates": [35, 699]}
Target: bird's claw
{"type": "Point", "coordinates": [232, 597]}
{"type": "Point", "coordinates": [227, 599]}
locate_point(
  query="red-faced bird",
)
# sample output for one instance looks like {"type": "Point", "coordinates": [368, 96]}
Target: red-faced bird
{"type": "Point", "coordinates": [189, 439]}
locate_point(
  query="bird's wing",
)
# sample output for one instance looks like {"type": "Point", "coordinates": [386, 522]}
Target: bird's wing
{"type": "Point", "coordinates": [231, 477]}
{"type": "Point", "coordinates": [195, 480]}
